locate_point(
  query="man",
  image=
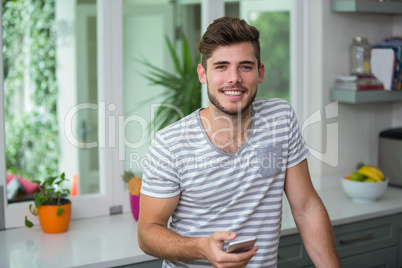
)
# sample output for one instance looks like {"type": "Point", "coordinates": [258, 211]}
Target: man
{"type": "Point", "coordinates": [221, 171]}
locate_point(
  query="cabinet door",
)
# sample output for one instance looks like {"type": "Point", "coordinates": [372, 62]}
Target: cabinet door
{"type": "Point", "coordinates": [384, 258]}
{"type": "Point", "coordinates": [291, 252]}
{"type": "Point", "coordinates": [364, 236]}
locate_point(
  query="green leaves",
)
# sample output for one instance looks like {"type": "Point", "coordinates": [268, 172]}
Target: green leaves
{"type": "Point", "coordinates": [28, 223]}
{"type": "Point", "coordinates": [40, 198]}
{"type": "Point", "coordinates": [29, 58]}
{"type": "Point", "coordinates": [51, 191]}
{"type": "Point", "coordinates": [34, 211]}
{"type": "Point", "coordinates": [49, 181]}
{"type": "Point", "coordinates": [60, 210]}
{"type": "Point", "coordinates": [182, 88]}
{"type": "Point", "coordinates": [274, 30]}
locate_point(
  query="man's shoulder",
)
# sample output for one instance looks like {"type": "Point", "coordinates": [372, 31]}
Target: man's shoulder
{"type": "Point", "coordinates": [179, 127]}
{"type": "Point", "coordinates": [271, 104]}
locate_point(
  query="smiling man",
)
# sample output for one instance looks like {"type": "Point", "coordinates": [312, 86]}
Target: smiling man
{"type": "Point", "coordinates": [220, 173]}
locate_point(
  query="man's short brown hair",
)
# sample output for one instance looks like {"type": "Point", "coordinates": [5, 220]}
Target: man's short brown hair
{"type": "Point", "coordinates": [227, 31]}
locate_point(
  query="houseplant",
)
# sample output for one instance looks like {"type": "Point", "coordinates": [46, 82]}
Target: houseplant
{"type": "Point", "coordinates": [182, 87]}
{"type": "Point", "coordinates": [51, 205]}
{"type": "Point", "coordinates": [134, 188]}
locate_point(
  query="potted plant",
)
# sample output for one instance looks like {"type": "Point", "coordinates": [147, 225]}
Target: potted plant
{"type": "Point", "coordinates": [51, 205]}
{"type": "Point", "coordinates": [134, 188]}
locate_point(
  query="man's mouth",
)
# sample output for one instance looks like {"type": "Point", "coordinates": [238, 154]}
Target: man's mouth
{"type": "Point", "coordinates": [233, 92]}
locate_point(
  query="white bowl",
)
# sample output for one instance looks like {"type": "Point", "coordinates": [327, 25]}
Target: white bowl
{"type": "Point", "coordinates": [364, 192]}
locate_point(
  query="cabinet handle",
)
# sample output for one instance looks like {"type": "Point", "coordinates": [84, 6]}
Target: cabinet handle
{"type": "Point", "coordinates": [357, 239]}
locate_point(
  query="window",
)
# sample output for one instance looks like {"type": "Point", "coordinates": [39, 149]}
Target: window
{"type": "Point", "coordinates": [52, 101]}
{"type": "Point", "coordinates": [30, 92]}
{"type": "Point", "coordinates": [50, 83]}
{"type": "Point", "coordinates": [142, 98]}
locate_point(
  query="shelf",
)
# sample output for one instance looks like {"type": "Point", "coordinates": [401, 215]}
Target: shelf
{"type": "Point", "coordinates": [360, 6]}
{"type": "Point", "coordinates": [374, 96]}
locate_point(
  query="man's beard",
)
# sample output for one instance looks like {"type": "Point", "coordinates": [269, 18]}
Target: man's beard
{"type": "Point", "coordinates": [238, 111]}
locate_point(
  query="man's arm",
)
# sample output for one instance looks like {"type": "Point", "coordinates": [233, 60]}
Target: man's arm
{"type": "Point", "coordinates": [311, 217]}
{"type": "Point", "coordinates": [156, 239]}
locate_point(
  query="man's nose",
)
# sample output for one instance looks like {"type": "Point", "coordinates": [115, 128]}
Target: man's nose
{"type": "Point", "coordinates": [234, 76]}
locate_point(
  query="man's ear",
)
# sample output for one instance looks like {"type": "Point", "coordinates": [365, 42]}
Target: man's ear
{"type": "Point", "coordinates": [261, 73]}
{"type": "Point", "coordinates": [202, 76]}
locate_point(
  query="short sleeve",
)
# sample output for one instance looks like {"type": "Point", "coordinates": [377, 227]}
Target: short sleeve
{"type": "Point", "coordinates": [160, 177]}
{"type": "Point", "coordinates": [298, 150]}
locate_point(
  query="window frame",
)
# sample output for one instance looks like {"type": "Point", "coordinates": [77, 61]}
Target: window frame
{"type": "Point", "coordinates": [3, 193]}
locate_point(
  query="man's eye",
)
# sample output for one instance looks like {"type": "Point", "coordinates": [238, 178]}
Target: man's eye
{"type": "Point", "coordinates": [246, 67]}
{"type": "Point", "coordinates": [220, 67]}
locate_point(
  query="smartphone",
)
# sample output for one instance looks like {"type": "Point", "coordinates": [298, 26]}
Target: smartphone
{"type": "Point", "coordinates": [241, 244]}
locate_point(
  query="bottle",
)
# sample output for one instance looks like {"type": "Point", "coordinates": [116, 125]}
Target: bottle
{"type": "Point", "coordinates": [360, 56]}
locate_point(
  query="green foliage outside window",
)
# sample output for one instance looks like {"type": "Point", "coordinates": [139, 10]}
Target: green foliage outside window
{"type": "Point", "coordinates": [274, 30]}
{"type": "Point", "coordinates": [29, 56]}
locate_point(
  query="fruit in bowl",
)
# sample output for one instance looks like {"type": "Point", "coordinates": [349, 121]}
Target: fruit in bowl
{"type": "Point", "coordinates": [365, 185]}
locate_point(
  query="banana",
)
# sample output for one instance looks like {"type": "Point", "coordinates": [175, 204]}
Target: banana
{"type": "Point", "coordinates": [377, 171]}
{"type": "Point", "coordinates": [372, 172]}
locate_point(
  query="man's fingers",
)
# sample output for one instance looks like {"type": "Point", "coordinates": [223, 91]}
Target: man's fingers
{"type": "Point", "coordinates": [223, 236]}
{"type": "Point", "coordinates": [239, 259]}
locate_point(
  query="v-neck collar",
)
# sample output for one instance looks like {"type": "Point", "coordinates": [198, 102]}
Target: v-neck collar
{"type": "Point", "coordinates": [242, 148]}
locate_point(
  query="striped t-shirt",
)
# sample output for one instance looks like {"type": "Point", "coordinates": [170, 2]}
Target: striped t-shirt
{"type": "Point", "coordinates": [241, 192]}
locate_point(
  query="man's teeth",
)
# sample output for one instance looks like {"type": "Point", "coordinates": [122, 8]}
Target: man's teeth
{"type": "Point", "coordinates": [233, 93]}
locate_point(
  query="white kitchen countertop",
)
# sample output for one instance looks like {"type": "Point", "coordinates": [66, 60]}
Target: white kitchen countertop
{"type": "Point", "coordinates": [112, 241]}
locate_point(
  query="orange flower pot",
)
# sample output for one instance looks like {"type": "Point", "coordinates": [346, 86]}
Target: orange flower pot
{"type": "Point", "coordinates": [51, 222]}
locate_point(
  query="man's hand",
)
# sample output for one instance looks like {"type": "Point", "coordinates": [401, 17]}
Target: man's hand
{"type": "Point", "coordinates": [220, 259]}
{"type": "Point", "coordinates": [157, 240]}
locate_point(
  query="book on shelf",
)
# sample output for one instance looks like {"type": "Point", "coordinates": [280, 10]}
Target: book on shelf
{"type": "Point", "coordinates": [386, 62]}
{"type": "Point", "coordinates": [358, 82]}
{"type": "Point", "coordinates": [382, 65]}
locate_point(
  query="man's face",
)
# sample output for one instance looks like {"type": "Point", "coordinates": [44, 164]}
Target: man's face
{"type": "Point", "coordinates": [232, 78]}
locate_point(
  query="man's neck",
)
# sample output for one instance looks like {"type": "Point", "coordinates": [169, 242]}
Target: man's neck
{"type": "Point", "coordinates": [226, 132]}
